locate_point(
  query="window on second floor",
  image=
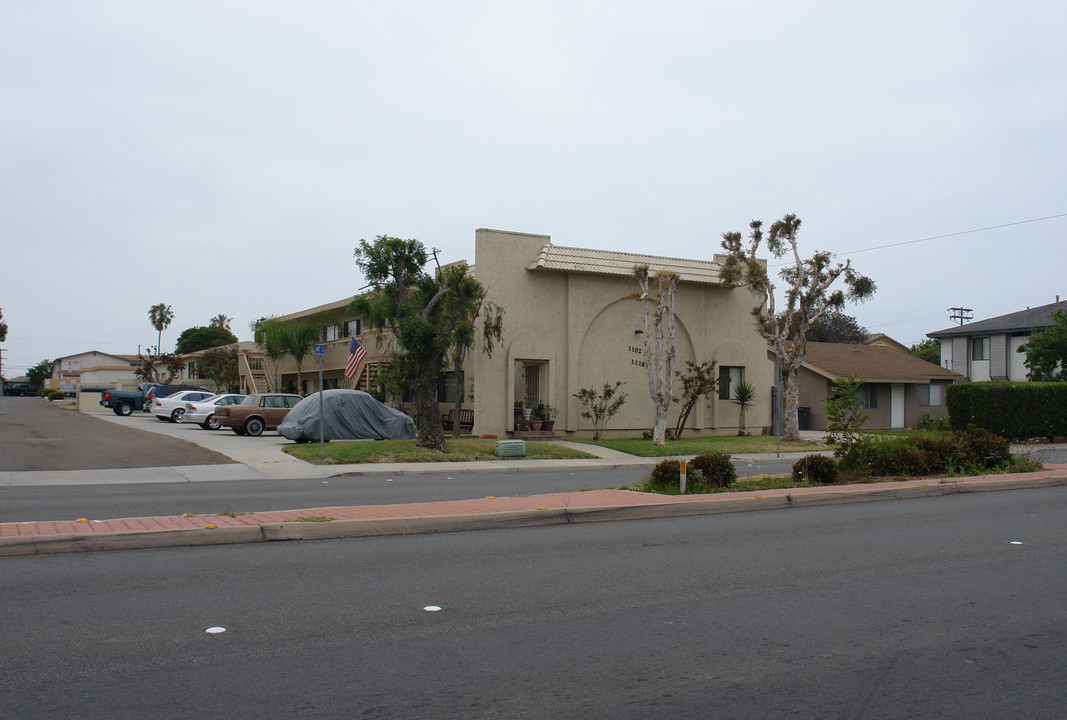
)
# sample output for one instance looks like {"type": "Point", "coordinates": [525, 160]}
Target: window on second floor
{"type": "Point", "coordinates": [980, 348]}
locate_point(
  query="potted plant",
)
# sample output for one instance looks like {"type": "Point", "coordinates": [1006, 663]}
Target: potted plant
{"type": "Point", "coordinates": [537, 417]}
{"type": "Point", "coordinates": [522, 424]}
{"type": "Point", "coordinates": [548, 417]}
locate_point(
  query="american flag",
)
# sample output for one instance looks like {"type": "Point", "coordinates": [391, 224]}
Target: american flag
{"type": "Point", "coordinates": [356, 353]}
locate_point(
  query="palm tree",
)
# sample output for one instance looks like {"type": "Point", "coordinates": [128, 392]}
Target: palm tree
{"type": "Point", "coordinates": [221, 321]}
{"type": "Point", "coordinates": [160, 316]}
{"type": "Point", "coordinates": [298, 340]}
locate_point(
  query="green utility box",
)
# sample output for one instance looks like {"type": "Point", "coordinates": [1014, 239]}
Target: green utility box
{"type": "Point", "coordinates": [510, 448]}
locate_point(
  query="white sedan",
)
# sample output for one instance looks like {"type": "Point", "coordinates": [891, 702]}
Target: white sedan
{"type": "Point", "coordinates": [172, 407]}
{"type": "Point", "coordinates": [202, 412]}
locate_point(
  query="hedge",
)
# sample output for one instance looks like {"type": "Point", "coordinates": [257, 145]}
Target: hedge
{"type": "Point", "coordinates": [1010, 409]}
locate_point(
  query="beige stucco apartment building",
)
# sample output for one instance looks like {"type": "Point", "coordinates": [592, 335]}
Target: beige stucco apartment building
{"type": "Point", "coordinates": [570, 322]}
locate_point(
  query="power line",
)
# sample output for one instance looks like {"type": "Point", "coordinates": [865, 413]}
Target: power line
{"type": "Point", "coordinates": [938, 237]}
{"type": "Point", "coordinates": [955, 234]}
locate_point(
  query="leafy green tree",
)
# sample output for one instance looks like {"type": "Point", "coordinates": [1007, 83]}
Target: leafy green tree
{"type": "Point", "coordinates": [161, 368]}
{"type": "Point", "coordinates": [395, 380]}
{"type": "Point", "coordinates": [220, 365]}
{"type": "Point", "coordinates": [3, 327]}
{"type": "Point", "coordinates": [201, 338]}
{"type": "Point", "coordinates": [463, 341]}
{"type": "Point", "coordinates": [269, 334]}
{"type": "Point", "coordinates": [161, 316]}
{"type": "Point", "coordinates": [427, 314]}
{"type": "Point", "coordinates": [39, 372]}
{"type": "Point", "coordinates": [658, 307]}
{"type": "Point", "coordinates": [600, 407]}
{"type": "Point", "coordinates": [299, 337]}
{"type": "Point", "coordinates": [845, 416]}
{"type": "Point", "coordinates": [928, 350]}
{"type": "Point", "coordinates": [1046, 351]}
{"type": "Point", "coordinates": [698, 381]}
{"type": "Point", "coordinates": [837, 327]}
{"type": "Point", "coordinates": [808, 296]}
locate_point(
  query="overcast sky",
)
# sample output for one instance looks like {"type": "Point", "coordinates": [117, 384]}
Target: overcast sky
{"type": "Point", "coordinates": [226, 157]}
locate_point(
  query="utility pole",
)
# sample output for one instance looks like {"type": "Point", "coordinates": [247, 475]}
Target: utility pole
{"type": "Point", "coordinates": [961, 314]}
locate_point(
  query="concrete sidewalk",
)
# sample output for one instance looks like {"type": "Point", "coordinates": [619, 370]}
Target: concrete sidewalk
{"type": "Point", "coordinates": [85, 535]}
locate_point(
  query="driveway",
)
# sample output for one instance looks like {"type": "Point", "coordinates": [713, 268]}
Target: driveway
{"type": "Point", "coordinates": [39, 435]}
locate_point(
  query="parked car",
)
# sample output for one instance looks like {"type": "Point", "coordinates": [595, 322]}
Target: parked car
{"type": "Point", "coordinates": [155, 390]}
{"type": "Point", "coordinates": [349, 415]}
{"type": "Point", "coordinates": [202, 412]}
{"type": "Point", "coordinates": [172, 407]}
{"type": "Point", "coordinates": [256, 413]}
{"type": "Point", "coordinates": [21, 387]}
{"type": "Point", "coordinates": [124, 402]}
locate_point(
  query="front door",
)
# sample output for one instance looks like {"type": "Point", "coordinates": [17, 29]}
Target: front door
{"type": "Point", "coordinates": [896, 406]}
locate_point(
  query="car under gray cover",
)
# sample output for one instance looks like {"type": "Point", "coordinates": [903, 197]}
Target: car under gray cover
{"type": "Point", "coordinates": [350, 415]}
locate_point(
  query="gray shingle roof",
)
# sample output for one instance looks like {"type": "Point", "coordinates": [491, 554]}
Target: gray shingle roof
{"type": "Point", "coordinates": [1022, 321]}
{"type": "Point", "coordinates": [606, 262]}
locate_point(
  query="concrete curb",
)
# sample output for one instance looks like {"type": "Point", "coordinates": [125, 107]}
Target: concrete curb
{"type": "Point", "coordinates": [379, 527]}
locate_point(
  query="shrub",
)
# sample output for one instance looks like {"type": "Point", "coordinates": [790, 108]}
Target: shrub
{"type": "Point", "coordinates": [1011, 409]}
{"type": "Point", "coordinates": [667, 475]}
{"type": "Point", "coordinates": [816, 469]}
{"type": "Point", "coordinates": [55, 395]}
{"type": "Point", "coordinates": [601, 407]}
{"type": "Point", "coordinates": [717, 468]}
{"type": "Point", "coordinates": [845, 416]}
{"type": "Point", "coordinates": [964, 451]}
{"type": "Point", "coordinates": [899, 456]}
{"type": "Point", "coordinates": [981, 447]}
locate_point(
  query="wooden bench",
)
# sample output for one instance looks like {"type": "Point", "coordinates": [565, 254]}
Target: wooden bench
{"type": "Point", "coordinates": [466, 419]}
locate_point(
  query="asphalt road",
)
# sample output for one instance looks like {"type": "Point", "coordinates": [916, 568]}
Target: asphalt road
{"type": "Point", "coordinates": [913, 609]}
{"type": "Point", "coordinates": [39, 435]}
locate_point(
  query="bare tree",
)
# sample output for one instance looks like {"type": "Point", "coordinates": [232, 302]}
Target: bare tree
{"type": "Point", "coordinates": [808, 297]}
{"type": "Point", "coordinates": [658, 305]}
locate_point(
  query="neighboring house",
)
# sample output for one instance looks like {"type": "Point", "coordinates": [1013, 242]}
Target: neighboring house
{"type": "Point", "coordinates": [898, 388]}
{"type": "Point", "coordinates": [989, 349]}
{"type": "Point", "coordinates": [883, 339]}
{"type": "Point", "coordinates": [259, 373]}
{"type": "Point", "coordinates": [570, 322]}
{"type": "Point", "coordinates": [89, 370]}
{"type": "Point", "coordinates": [190, 373]}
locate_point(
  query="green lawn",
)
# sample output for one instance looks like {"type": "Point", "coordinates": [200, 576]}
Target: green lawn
{"type": "Point", "coordinates": [730, 444]}
{"type": "Point", "coordinates": [389, 451]}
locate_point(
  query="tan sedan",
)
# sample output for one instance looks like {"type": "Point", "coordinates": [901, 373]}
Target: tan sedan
{"type": "Point", "coordinates": [257, 413]}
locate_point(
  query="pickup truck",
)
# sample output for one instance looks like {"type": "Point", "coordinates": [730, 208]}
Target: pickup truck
{"type": "Point", "coordinates": [124, 402]}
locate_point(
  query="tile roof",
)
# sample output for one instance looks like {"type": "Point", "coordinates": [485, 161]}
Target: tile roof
{"type": "Point", "coordinates": [606, 262]}
{"type": "Point", "coordinates": [873, 363]}
{"type": "Point", "coordinates": [1032, 318]}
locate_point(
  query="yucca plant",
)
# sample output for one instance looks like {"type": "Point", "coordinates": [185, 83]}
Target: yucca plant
{"type": "Point", "coordinates": [745, 396]}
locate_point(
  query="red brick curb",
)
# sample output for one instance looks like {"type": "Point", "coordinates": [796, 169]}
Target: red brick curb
{"type": "Point", "coordinates": [32, 538]}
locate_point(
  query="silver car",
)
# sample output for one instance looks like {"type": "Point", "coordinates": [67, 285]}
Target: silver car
{"type": "Point", "coordinates": [202, 412]}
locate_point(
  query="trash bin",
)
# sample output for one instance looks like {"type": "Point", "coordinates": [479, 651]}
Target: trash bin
{"type": "Point", "coordinates": [804, 418]}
